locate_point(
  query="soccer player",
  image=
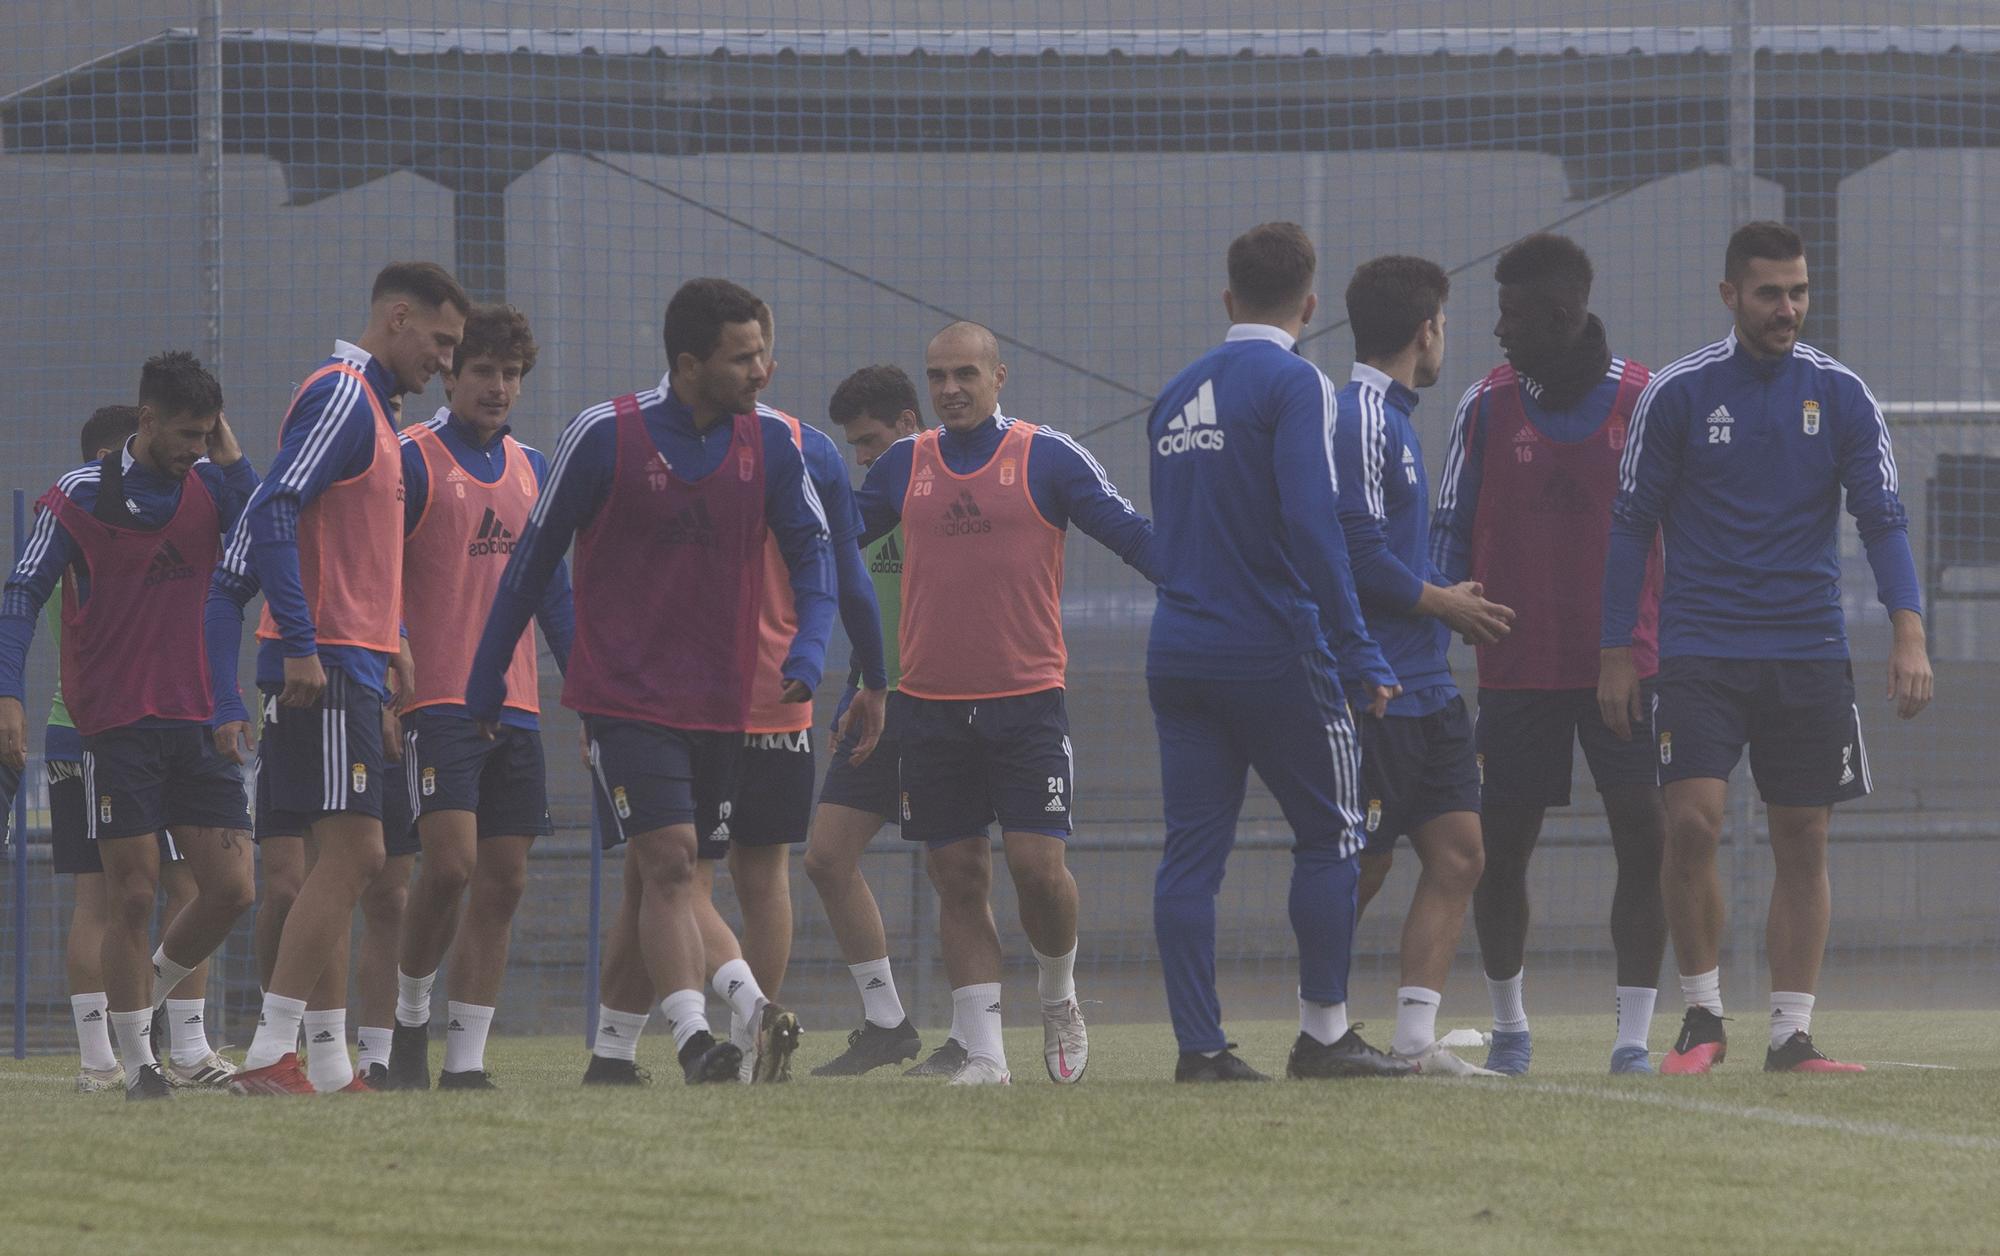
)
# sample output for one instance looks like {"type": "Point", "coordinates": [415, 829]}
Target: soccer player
{"type": "Point", "coordinates": [874, 408]}
{"type": "Point", "coordinates": [1255, 596]}
{"type": "Point", "coordinates": [186, 1057]}
{"type": "Point", "coordinates": [480, 802]}
{"type": "Point", "coordinates": [1739, 455]}
{"type": "Point", "coordinates": [772, 809]}
{"type": "Point", "coordinates": [985, 503]}
{"type": "Point", "coordinates": [323, 537]}
{"type": "Point", "coordinates": [137, 534]}
{"type": "Point", "coordinates": [1418, 769]}
{"type": "Point", "coordinates": [670, 495]}
{"type": "Point", "coordinates": [1524, 510]}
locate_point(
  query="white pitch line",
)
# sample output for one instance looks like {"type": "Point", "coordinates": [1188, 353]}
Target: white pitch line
{"type": "Point", "coordinates": [1774, 1116]}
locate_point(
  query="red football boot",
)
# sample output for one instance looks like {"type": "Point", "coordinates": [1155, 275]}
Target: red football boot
{"type": "Point", "coordinates": [1701, 1046]}
{"type": "Point", "coordinates": [283, 1078]}
{"type": "Point", "coordinates": [1799, 1055]}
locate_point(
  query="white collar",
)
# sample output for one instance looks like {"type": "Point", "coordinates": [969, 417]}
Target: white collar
{"type": "Point", "coordinates": [1371, 377]}
{"type": "Point", "coordinates": [666, 385]}
{"type": "Point", "coordinates": [352, 354]}
{"type": "Point", "coordinates": [1260, 331]}
{"type": "Point", "coordinates": [127, 462]}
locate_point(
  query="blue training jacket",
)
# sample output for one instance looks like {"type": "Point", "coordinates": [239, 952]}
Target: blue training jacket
{"type": "Point", "coordinates": [1253, 569]}
{"type": "Point", "coordinates": [1741, 461]}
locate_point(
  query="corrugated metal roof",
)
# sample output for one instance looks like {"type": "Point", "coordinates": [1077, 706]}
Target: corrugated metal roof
{"type": "Point", "coordinates": [1087, 43]}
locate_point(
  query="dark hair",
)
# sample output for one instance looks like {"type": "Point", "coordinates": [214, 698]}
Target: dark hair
{"type": "Point", "coordinates": [875, 392]}
{"type": "Point", "coordinates": [108, 428]}
{"type": "Point", "coordinates": [1389, 299]}
{"type": "Point", "coordinates": [698, 313]}
{"type": "Point", "coordinates": [1271, 267]}
{"type": "Point", "coordinates": [1547, 260]}
{"type": "Point", "coordinates": [176, 382]}
{"type": "Point", "coordinates": [427, 282]}
{"type": "Point", "coordinates": [1772, 241]}
{"type": "Point", "coordinates": [496, 331]}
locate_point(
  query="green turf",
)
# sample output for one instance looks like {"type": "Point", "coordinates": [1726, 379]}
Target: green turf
{"type": "Point", "coordinates": [1567, 1160]}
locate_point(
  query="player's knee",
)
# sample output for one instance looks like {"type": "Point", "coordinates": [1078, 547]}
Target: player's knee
{"type": "Point", "coordinates": [1041, 880]}
{"type": "Point", "coordinates": [447, 875]}
{"type": "Point", "coordinates": [382, 906]}
{"type": "Point", "coordinates": [1374, 871]}
{"type": "Point", "coordinates": [233, 893]}
{"type": "Point", "coordinates": [826, 869]}
{"type": "Point", "coordinates": [129, 900]}
{"type": "Point", "coordinates": [498, 890]}
{"type": "Point", "coordinates": [960, 880]}
{"type": "Point", "coordinates": [666, 863]}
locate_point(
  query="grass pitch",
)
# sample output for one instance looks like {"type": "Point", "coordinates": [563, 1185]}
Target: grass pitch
{"type": "Point", "coordinates": [1901, 1159]}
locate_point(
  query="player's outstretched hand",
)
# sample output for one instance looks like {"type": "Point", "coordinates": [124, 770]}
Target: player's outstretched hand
{"type": "Point", "coordinates": [1618, 691]}
{"type": "Point", "coordinates": [863, 721]}
{"type": "Point", "coordinates": [1379, 696]}
{"type": "Point", "coordinates": [13, 734]}
{"type": "Point", "coordinates": [1910, 680]}
{"type": "Point", "coordinates": [1464, 608]}
{"type": "Point", "coordinates": [232, 741]}
{"type": "Point", "coordinates": [796, 691]}
{"type": "Point", "coordinates": [305, 681]}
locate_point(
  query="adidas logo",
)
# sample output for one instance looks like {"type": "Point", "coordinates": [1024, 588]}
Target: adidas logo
{"type": "Point", "coordinates": [1056, 804]}
{"type": "Point", "coordinates": [493, 537]}
{"type": "Point", "coordinates": [924, 473]}
{"type": "Point", "coordinates": [1721, 415]}
{"type": "Point", "coordinates": [453, 1027]}
{"type": "Point", "coordinates": [962, 518]}
{"type": "Point", "coordinates": [1526, 436]}
{"type": "Point", "coordinates": [92, 1016]}
{"type": "Point", "coordinates": [692, 526]}
{"type": "Point", "coordinates": [193, 1020]}
{"type": "Point", "coordinates": [167, 565]}
{"type": "Point", "coordinates": [324, 1035]}
{"type": "Point", "coordinates": [888, 560]}
{"type": "Point", "coordinates": [1194, 427]}
{"type": "Point", "coordinates": [734, 986]}
{"type": "Point", "coordinates": [993, 1009]}
{"type": "Point", "coordinates": [875, 983]}
{"type": "Point", "coordinates": [610, 1031]}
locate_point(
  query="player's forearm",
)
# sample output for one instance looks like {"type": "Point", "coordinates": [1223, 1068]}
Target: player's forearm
{"type": "Point", "coordinates": [1451, 547]}
{"type": "Point", "coordinates": [557, 616]}
{"type": "Point", "coordinates": [16, 633]}
{"type": "Point", "coordinates": [860, 615]}
{"type": "Point", "coordinates": [239, 482]}
{"type": "Point", "coordinates": [815, 603]}
{"type": "Point", "coordinates": [1624, 576]}
{"type": "Point", "coordinates": [222, 638]}
{"type": "Point", "coordinates": [1895, 571]}
{"type": "Point", "coordinates": [486, 685]}
{"type": "Point", "coordinates": [1381, 581]}
{"type": "Point", "coordinates": [274, 562]}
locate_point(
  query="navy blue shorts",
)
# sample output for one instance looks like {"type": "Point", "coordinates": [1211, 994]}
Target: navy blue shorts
{"type": "Point", "coordinates": [137, 781]}
{"type": "Point", "coordinates": [1294, 731]}
{"type": "Point", "coordinates": [326, 758]}
{"type": "Point", "coordinates": [70, 848]}
{"type": "Point", "coordinates": [650, 776]}
{"type": "Point", "coordinates": [1527, 740]}
{"type": "Point", "coordinates": [450, 766]}
{"type": "Point", "coordinates": [1415, 768]}
{"type": "Point", "coordinates": [774, 793]}
{"type": "Point", "coordinates": [965, 765]}
{"type": "Point", "coordinates": [872, 786]}
{"type": "Point", "coordinates": [1798, 717]}
{"type": "Point", "coordinates": [399, 825]}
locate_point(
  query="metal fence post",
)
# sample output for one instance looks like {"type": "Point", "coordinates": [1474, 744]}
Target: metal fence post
{"type": "Point", "coordinates": [19, 846]}
{"type": "Point", "coordinates": [593, 946]}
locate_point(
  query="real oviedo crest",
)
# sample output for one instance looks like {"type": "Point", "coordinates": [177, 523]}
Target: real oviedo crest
{"type": "Point", "coordinates": [1811, 418]}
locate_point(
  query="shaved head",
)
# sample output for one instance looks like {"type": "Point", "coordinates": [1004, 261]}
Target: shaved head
{"type": "Point", "coordinates": [973, 339]}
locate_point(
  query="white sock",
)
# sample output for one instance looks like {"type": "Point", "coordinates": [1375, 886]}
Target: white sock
{"type": "Point", "coordinates": [134, 1031]}
{"type": "Point", "coordinates": [976, 1011]}
{"type": "Point", "coordinates": [687, 1015]}
{"type": "Point", "coordinates": [618, 1033]}
{"type": "Point", "coordinates": [413, 998]}
{"type": "Point", "coordinates": [187, 1031]}
{"type": "Point", "coordinates": [879, 1002]}
{"type": "Point", "coordinates": [1703, 990]}
{"type": "Point", "coordinates": [465, 1036]}
{"type": "Point", "coordinates": [327, 1065]}
{"type": "Point", "coordinates": [92, 1014]}
{"type": "Point", "coordinates": [957, 1033]}
{"type": "Point", "coordinates": [1635, 1014]}
{"type": "Point", "coordinates": [1509, 1017]}
{"type": "Point", "coordinates": [735, 982]}
{"type": "Point", "coordinates": [1056, 980]}
{"type": "Point", "coordinates": [1416, 1019]}
{"type": "Point", "coordinates": [277, 1031]}
{"type": "Point", "coordinates": [166, 975]}
{"type": "Point", "coordinates": [1791, 1013]}
{"type": "Point", "coordinates": [371, 1046]}
{"type": "Point", "coordinates": [1324, 1023]}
